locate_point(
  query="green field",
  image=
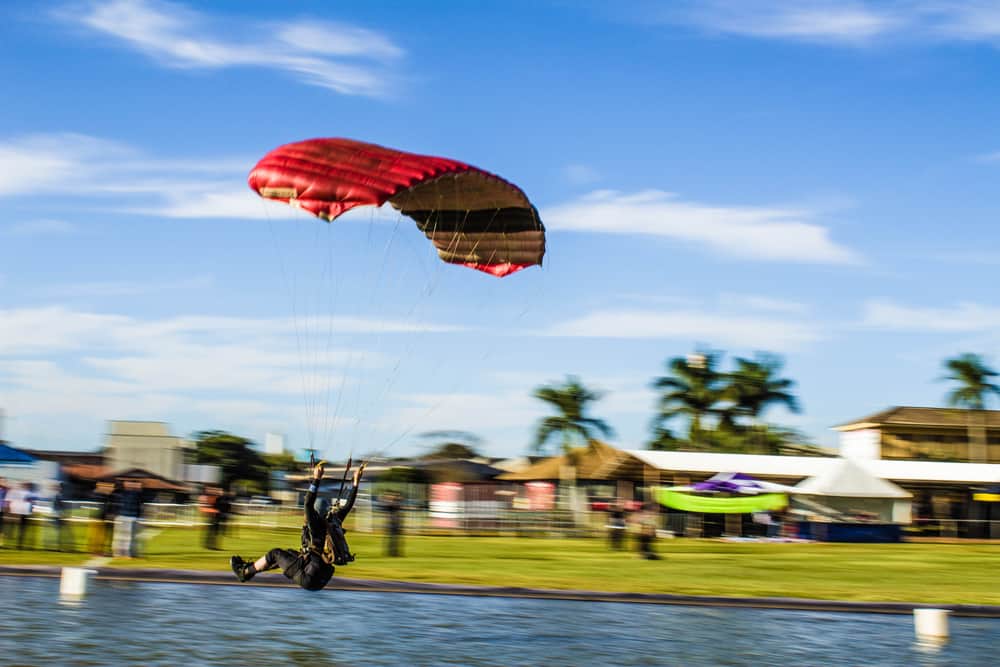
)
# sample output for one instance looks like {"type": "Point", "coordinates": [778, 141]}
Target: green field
{"type": "Point", "coordinates": [939, 573]}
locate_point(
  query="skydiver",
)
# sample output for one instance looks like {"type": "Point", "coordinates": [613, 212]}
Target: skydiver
{"type": "Point", "coordinates": [312, 566]}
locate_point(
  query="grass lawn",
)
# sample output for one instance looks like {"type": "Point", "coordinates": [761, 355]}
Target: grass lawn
{"type": "Point", "coordinates": [909, 572]}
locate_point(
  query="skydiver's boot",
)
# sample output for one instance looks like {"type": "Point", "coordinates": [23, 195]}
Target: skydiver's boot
{"type": "Point", "coordinates": [244, 571]}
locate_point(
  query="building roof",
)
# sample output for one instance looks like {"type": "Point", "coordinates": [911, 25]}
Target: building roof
{"type": "Point", "coordinates": [809, 466]}
{"type": "Point", "coordinates": [10, 454]}
{"type": "Point", "coordinates": [85, 471]}
{"type": "Point", "coordinates": [149, 480]}
{"type": "Point", "coordinates": [903, 415]}
{"type": "Point", "coordinates": [68, 458]}
{"type": "Point", "coordinates": [598, 460]}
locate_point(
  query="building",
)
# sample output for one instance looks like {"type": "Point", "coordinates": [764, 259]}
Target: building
{"type": "Point", "coordinates": [924, 434]}
{"type": "Point", "coordinates": [148, 446]}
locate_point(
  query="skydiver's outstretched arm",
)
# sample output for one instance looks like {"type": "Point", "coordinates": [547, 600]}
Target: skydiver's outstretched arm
{"type": "Point", "coordinates": [342, 512]}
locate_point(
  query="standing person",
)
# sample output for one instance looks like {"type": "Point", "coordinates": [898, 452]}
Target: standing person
{"type": "Point", "coordinates": [102, 525]}
{"type": "Point", "coordinates": [312, 566]}
{"type": "Point", "coordinates": [58, 519]}
{"type": "Point", "coordinates": [647, 533]}
{"type": "Point", "coordinates": [3, 506]}
{"type": "Point", "coordinates": [225, 506]}
{"type": "Point", "coordinates": [21, 502]}
{"type": "Point", "coordinates": [209, 505]}
{"type": "Point", "coordinates": [393, 505]}
{"type": "Point", "coordinates": [129, 507]}
{"type": "Point", "coordinates": [616, 526]}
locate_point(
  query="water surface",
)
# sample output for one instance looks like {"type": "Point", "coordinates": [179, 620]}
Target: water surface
{"type": "Point", "coordinates": [184, 624]}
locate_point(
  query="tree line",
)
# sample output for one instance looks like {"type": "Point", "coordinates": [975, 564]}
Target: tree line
{"type": "Point", "coordinates": [700, 407]}
{"type": "Point", "coordinates": [722, 410]}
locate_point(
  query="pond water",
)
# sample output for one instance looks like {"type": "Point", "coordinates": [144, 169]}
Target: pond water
{"type": "Point", "coordinates": [185, 624]}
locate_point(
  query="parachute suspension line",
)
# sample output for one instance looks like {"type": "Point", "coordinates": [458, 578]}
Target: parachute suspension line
{"type": "Point", "coordinates": [290, 288]}
{"type": "Point", "coordinates": [439, 267]}
{"type": "Point", "coordinates": [330, 421]}
{"type": "Point", "coordinates": [413, 316]}
{"type": "Point", "coordinates": [364, 406]}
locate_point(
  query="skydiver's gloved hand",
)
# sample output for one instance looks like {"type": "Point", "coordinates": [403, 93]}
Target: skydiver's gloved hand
{"type": "Point", "coordinates": [358, 472]}
{"type": "Point", "coordinates": [318, 471]}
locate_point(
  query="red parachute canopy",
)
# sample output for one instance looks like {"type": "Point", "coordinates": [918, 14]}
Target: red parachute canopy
{"type": "Point", "coordinates": [472, 217]}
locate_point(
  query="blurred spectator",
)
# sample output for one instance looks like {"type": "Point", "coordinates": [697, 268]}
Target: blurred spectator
{"type": "Point", "coordinates": [129, 506]}
{"type": "Point", "coordinates": [21, 502]}
{"type": "Point", "coordinates": [216, 507]}
{"type": "Point", "coordinates": [3, 506]}
{"type": "Point", "coordinates": [616, 526]}
{"type": "Point", "coordinates": [57, 519]}
{"type": "Point", "coordinates": [647, 532]}
{"type": "Point", "coordinates": [101, 529]}
{"type": "Point", "coordinates": [392, 504]}
{"type": "Point", "coordinates": [225, 507]}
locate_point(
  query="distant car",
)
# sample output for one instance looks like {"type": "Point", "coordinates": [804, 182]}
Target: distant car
{"type": "Point", "coordinates": [263, 500]}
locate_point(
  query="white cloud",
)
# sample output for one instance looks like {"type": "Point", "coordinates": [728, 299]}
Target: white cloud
{"type": "Point", "coordinates": [69, 366]}
{"type": "Point", "coordinates": [963, 317]}
{"type": "Point", "coordinates": [320, 53]}
{"type": "Point", "coordinates": [63, 162]}
{"type": "Point", "coordinates": [743, 331]}
{"type": "Point", "coordinates": [122, 179]}
{"type": "Point", "coordinates": [761, 303]}
{"type": "Point", "coordinates": [42, 227]}
{"type": "Point", "coordinates": [767, 234]}
{"type": "Point", "coordinates": [845, 22]}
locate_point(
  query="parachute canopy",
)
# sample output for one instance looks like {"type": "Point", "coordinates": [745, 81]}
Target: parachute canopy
{"type": "Point", "coordinates": [472, 217]}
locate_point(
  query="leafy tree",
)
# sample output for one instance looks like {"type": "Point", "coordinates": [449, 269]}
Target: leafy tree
{"type": "Point", "coordinates": [452, 445]}
{"type": "Point", "coordinates": [665, 440]}
{"type": "Point", "coordinates": [693, 389]}
{"type": "Point", "coordinates": [234, 455]}
{"type": "Point", "coordinates": [973, 377]}
{"type": "Point", "coordinates": [283, 462]}
{"type": "Point", "coordinates": [570, 400]}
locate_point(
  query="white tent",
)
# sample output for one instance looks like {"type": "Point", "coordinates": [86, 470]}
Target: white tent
{"type": "Point", "coordinates": [850, 490]}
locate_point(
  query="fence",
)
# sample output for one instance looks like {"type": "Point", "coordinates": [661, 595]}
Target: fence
{"type": "Point", "coordinates": [475, 517]}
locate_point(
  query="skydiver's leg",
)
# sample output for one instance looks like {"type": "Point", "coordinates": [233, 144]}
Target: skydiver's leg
{"type": "Point", "coordinates": [274, 558]}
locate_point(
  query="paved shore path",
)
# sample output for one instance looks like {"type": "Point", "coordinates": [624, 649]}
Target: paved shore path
{"type": "Point", "coordinates": [160, 575]}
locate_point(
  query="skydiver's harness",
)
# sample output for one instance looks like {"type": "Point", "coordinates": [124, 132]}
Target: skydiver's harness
{"type": "Point", "coordinates": [335, 550]}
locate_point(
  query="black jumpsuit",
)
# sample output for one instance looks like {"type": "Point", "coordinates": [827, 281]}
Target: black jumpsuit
{"type": "Point", "coordinates": [306, 567]}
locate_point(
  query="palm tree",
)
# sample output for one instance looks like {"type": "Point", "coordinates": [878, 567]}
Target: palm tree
{"type": "Point", "coordinates": [973, 377]}
{"type": "Point", "coordinates": [570, 400]}
{"type": "Point", "coordinates": [693, 389]}
{"type": "Point", "coordinates": [755, 386]}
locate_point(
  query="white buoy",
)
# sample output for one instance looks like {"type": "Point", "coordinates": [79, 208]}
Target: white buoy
{"type": "Point", "coordinates": [74, 581]}
{"type": "Point", "coordinates": [931, 624]}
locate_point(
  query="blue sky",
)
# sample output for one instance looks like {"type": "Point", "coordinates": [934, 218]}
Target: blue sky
{"type": "Point", "coordinates": [810, 178]}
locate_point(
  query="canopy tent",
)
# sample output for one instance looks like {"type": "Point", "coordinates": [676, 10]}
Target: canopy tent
{"type": "Point", "coordinates": [726, 493]}
{"type": "Point", "coordinates": [849, 490]}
